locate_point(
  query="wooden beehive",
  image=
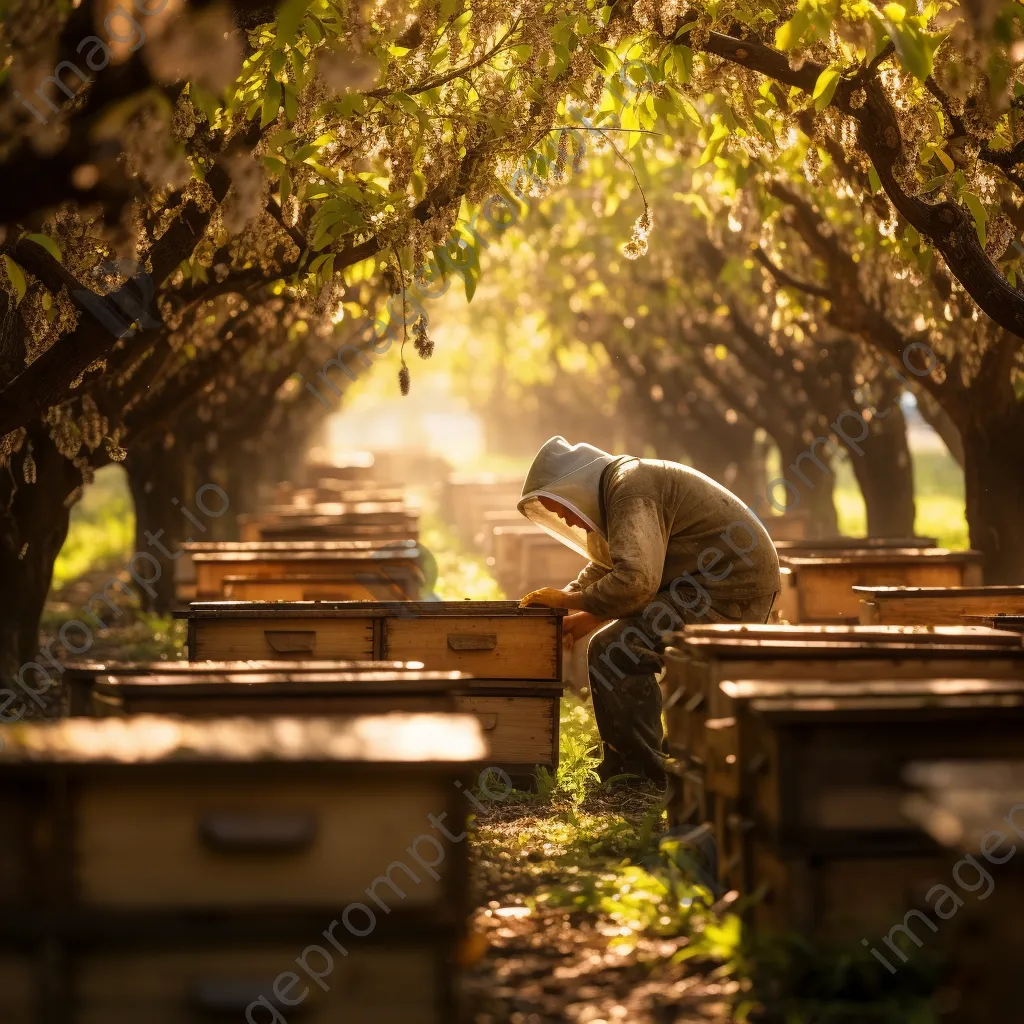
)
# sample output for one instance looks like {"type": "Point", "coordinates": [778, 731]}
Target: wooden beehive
{"type": "Point", "coordinates": [1011, 623]}
{"type": "Point", "coordinates": [168, 870]}
{"type": "Point", "coordinates": [279, 688]}
{"type": "Point", "coordinates": [374, 521]}
{"type": "Point", "coordinates": [469, 497]}
{"type": "Point", "coordinates": [519, 723]}
{"type": "Point", "coordinates": [383, 564]}
{"type": "Point", "coordinates": [79, 676]}
{"type": "Point", "coordinates": [514, 655]}
{"type": "Point", "coordinates": [488, 639]}
{"type": "Point", "coordinates": [355, 587]}
{"type": "Point", "coordinates": [966, 805]}
{"type": "Point", "coordinates": [702, 657]}
{"type": "Point", "coordinates": [826, 545]}
{"type": "Point", "coordinates": [823, 584]}
{"type": "Point", "coordinates": [526, 559]}
{"type": "Point", "coordinates": [808, 777]}
{"type": "Point", "coordinates": [936, 606]}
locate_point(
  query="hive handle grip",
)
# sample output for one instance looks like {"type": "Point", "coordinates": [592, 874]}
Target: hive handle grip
{"type": "Point", "coordinates": [257, 831]}
{"type": "Point", "coordinates": [223, 997]}
{"type": "Point", "coordinates": [472, 641]}
{"type": "Point", "coordinates": [284, 641]}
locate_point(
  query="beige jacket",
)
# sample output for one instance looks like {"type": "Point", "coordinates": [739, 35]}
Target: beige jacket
{"type": "Point", "coordinates": [658, 526]}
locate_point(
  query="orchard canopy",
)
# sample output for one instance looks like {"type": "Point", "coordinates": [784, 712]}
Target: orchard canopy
{"type": "Point", "coordinates": [756, 206]}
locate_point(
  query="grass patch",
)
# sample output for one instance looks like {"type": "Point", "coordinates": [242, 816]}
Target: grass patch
{"type": "Point", "coordinates": [102, 528]}
{"type": "Point", "coordinates": [460, 575]}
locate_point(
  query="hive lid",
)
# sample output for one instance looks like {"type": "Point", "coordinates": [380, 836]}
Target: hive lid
{"type": "Point", "coordinates": [364, 609]}
{"type": "Point", "coordinates": [855, 544]}
{"type": "Point", "coordinates": [293, 682]}
{"type": "Point", "coordinates": [882, 556]}
{"type": "Point", "coordinates": [852, 634]}
{"type": "Point", "coordinates": [403, 546]}
{"type": "Point", "coordinates": [151, 739]}
{"type": "Point", "coordinates": [774, 689]}
{"type": "Point", "coordinates": [950, 592]}
{"type": "Point", "coordinates": [167, 668]}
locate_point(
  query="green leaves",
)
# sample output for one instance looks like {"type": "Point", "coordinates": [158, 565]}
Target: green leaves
{"type": "Point", "coordinates": [915, 45]}
{"type": "Point", "coordinates": [289, 17]}
{"type": "Point", "coordinates": [271, 102]}
{"type": "Point", "coordinates": [47, 243]}
{"type": "Point", "coordinates": [715, 143]}
{"type": "Point", "coordinates": [17, 277]}
{"type": "Point", "coordinates": [980, 214]}
{"type": "Point", "coordinates": [825, 87]}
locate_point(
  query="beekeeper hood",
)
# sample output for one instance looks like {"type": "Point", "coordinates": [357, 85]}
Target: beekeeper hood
{"type": "Point", "coordinates": [571, 475]}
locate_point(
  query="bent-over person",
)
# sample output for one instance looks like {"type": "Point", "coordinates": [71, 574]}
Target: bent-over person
{"type": "Point", "coordinates": [667, 546]}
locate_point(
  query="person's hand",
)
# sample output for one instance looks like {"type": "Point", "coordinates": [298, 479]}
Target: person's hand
{"type": "Point", "coordinates": [548, 597]}
{"type": "Point", "coordinates": [577, 625]}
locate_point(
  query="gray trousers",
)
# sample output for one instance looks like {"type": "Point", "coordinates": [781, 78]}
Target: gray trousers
{"type": "Point", "coordinates": [622, 660]}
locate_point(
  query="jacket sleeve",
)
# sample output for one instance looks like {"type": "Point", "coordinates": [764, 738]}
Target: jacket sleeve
{"type": "Point", "coordinates": [638, 545]}
{"type": "Point", "coordinates": [591, 573]}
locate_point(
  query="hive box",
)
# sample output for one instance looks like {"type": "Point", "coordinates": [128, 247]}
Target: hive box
{"type": "Point", "coordinates": [526, 558]}
{"type": "Point", "coordinates": [386, 564]}
{"type": "Point", "coordinates": [820, 587]}
{"type": "Point", "coordinates": [808, 777]}
{"type": "Point", "coordinates": [965, 805]}
{"type": "Point", "coordinates": [469, 497]}
{"type": "Point", "coordinates": [167, 870]}
{"type": "Point", "coordinates": [825, 545]}
{"type": "Point", "coordinates": [513, 653]}
{"type": "Point", "coordinates": [350, 520]}
{"type": "Point", "coordinates": [519, 723]}
{"type": "Point", "coordinates": [936, 606]}
{"type": "Point", "coordinates": [79, 676]}
{"type": "Point", "coordinates": [284, 688]}
{"type": "Point", "coordinates": [355, 587]}
{"type": "Point", "coordinates": [1012, 623]}
{"type": "Point", "coordinates": [488, 639]}
{"type": "Point", "coordinates": [702, 657]}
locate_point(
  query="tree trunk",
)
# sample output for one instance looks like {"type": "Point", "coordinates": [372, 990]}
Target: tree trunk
{"type": "Point", "coordinates": [942, 423]}
{"type": "Point", "coordinates": [809, 487]}
{"type": "Point", "coordinates": [885, 474]}
{"type": "Point", "coordinates": [731, 456]}
{"type": "Point", "coordinates": [156, 476]}
{"type": "Point", "coordinates": [994, 479]}
{"type": "Point", "coordinates": [33, 526]}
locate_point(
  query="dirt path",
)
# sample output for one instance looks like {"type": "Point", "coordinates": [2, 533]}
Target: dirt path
{"type": "Point", "coordinates": [555, 936]}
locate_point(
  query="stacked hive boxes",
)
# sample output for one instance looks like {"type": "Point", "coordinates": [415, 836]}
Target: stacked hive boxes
{"type": "Point", "coordinates": [513, 654]}
{"type": "Point", "coordinates": [175, 871]}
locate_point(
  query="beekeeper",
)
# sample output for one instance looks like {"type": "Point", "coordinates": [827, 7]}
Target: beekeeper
{"type": "Point", "coordinates": [666, 545]}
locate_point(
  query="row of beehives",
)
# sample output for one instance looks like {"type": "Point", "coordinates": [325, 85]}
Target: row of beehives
{"type": "Point", "coordinates": [345, 536]}
{"type": "Point", "coordinates": [279, 832]}
{"type": "Point", "coordinates": [835, 764]}
{"type": "Point", "coordinates": [522, 557]}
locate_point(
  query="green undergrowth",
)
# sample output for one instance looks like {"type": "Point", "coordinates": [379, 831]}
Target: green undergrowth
{"type": "Point", "coordinates": [602, 853]}
{"type": "Point", "coordinates": [460, 574]}
{"type": "Point", "coordinates": [102, 528]}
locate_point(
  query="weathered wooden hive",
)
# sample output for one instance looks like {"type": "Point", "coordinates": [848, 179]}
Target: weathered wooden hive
{"type": "Point", "coordinates": [936, 606]}
{"type": "Point", "coordinates": [273, 688]}
{"type": "Point", "coordinates": [168, 870]}
{"type": "Point", "coordinates": [703, 657]}
{"type": "Point", "coordinates": [526, 558]}
{"type": "Point", "coordinates": [513, 654]}
{"type": "Point", "coordinates": [819, 588]}
{"type": "Point", "coordinates": [374, 565]}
